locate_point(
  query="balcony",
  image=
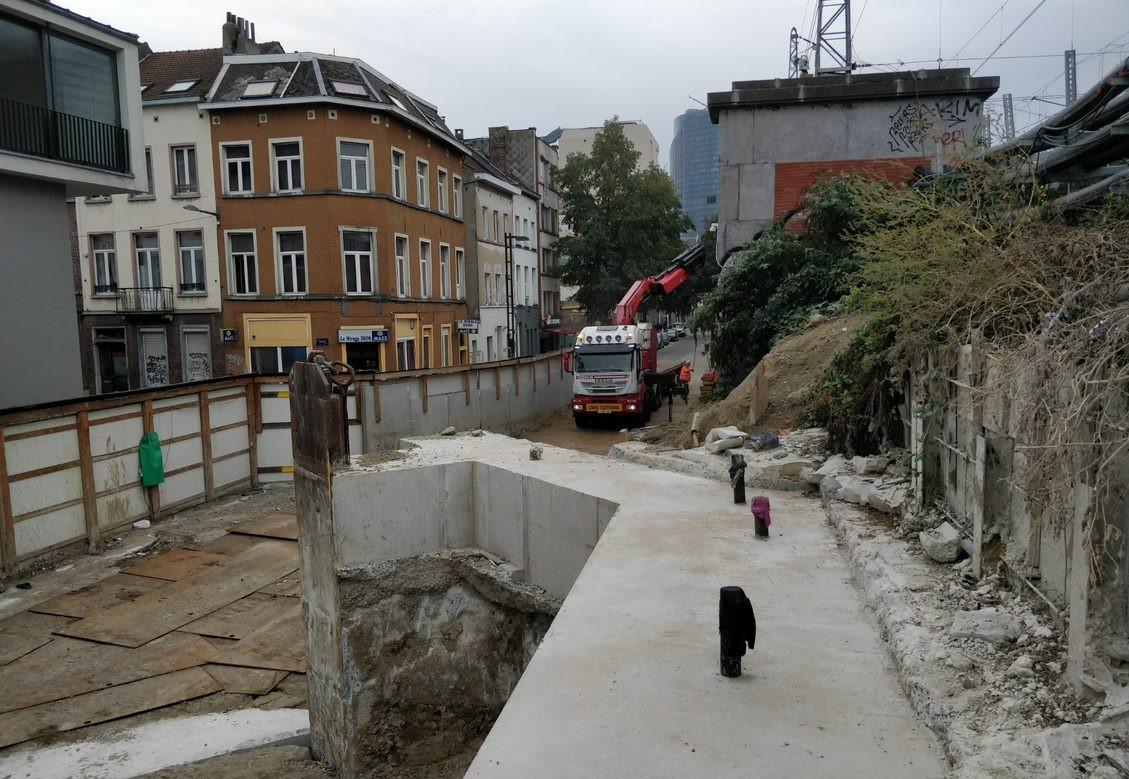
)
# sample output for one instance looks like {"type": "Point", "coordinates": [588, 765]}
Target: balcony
{"type": "Point", "coordinates": [41, 132]}
{"type": "Point", "coordinates": [144, 300]}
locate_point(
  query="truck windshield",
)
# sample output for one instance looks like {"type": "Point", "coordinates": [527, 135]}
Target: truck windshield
{"type": "Point", "coordinates": [603, 362]}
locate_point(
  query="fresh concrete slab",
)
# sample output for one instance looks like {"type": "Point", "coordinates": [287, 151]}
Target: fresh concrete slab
{"type": "Point", "coordinates": [626, 682]}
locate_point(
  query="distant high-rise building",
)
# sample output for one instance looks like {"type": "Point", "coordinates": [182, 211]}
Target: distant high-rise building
{"type": "Point", "coordinates": [693, 166]}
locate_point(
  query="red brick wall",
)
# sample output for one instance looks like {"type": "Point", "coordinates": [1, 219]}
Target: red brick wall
{"type": "Point", "coordinates": [794, 178]}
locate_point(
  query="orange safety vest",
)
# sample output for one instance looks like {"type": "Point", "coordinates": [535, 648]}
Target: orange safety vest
{"type": "Point", "coordinates": [685, 374]}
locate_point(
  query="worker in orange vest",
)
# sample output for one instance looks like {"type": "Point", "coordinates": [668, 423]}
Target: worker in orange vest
{"type": "Point", "coordinates": [685, 374]}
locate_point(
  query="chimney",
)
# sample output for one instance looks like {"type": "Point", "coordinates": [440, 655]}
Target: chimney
{"type": "Point", "coordinates": [497, 146]}
{"type": "Point", "coordinates": [239, 36]}
{"type": "Point", "coordinates": [459, 133]}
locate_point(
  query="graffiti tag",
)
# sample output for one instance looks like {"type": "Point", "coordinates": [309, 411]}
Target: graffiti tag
{"type": "Point", "coordinates": [948, 123]}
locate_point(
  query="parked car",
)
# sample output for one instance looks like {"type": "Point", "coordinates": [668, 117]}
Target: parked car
{"type": "Point", "coordinates": [680, 330]}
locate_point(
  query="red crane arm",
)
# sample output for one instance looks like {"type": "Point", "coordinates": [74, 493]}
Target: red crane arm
{"type": "Point", "coordinates": [666, 282]}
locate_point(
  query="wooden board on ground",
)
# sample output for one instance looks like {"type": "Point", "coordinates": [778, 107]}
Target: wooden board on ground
{"type": "Point", "coordinates": [279, 644]}
{"type": "Point", "coordinates": [67, 667]}
{"type": "Point", "coordinates": [104, 705]}
{"type": "Point", "coordinates": [271, 526]}
{"type": "Point", "coordinates": [245, 681]}
{"type": "Point", "coordinates": [229, 544]}
{"type": "Point", "coordinates": [175, 565]}
{"type": "Point", "coordinates": [13, 646]}
{"type": "Point", "coordinates": [178, 603]}
{"type": "Point", "coordinates": [237, 620]}
{"type": "Point", "coordinates": [289, 586]}
{"type": "Point", "coordinates": [27, 623]}
{"type": "Point", "coordinates": [111, 591]}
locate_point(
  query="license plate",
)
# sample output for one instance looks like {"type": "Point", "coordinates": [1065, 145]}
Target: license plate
{"type": "Point", "coordinates": [605, 408]}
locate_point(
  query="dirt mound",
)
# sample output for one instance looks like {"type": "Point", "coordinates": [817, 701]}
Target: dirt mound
{"type": "Point", "coordinates": [792, 369]}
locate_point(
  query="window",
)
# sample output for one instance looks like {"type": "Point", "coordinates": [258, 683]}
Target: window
{"type": "Point", "coordinates": [485, 224]}
{"type": "Point", "coordinates": [497, 232]}
{"type": "Point", "coordinates": [349, 88]}
{"type": "Point", "coordinates": [275, 359]}
{"type": "Point", "coordinates": [237, 168]}
{"type": "Point", "coordinates": [403, 277]}
{"type": "Point", "coordinates": [444, 271]}
{"type": "Point", "coordinates": [445, 346]}
{"type": "Point", "coordinates": [148, 260]}
{"type": "Point", "coordinates": [196, 353]}
{"type": "Point", "coordinates": [363, 356]}
{"type": "Point", "coordinates": [146, 193]}
{"type": "Point", "coordinates": [190, 245]}
{"type": "Point", "coordinates": [458, 186]}
{"type": "Point", "coordinates": [110, 363]}
{"type": "Point", "coordinates": [83, 80]}
{"type": "Point", "coordinates": [405, 354]}
{"type": "Point", "coordinates": [259, 89]}
{"type": "Point", "coordinates": [442, 194]}
{"type": "Point", "coordinates": [154, 357]}
{"type": "Point", "coordinates": [499, 290]}
{"type": "Point", "coordinates": [244, 275]}
{"type": "Point", "coordinates": [399, 184]}
{"type": "Point", "coordinates": [460, 273]}
{"type": "Point", "coordinates": [423, 183]}
{"type": "Point", "coordinates": [357, 248]}
{"type": "Point", "coordinates": [425, 346]}
{"type": "Point", "coordinates": [292, 262]}
{"type": "Point", "coordinates": [183, 86]}
{"type": "Point", "coordinates": [105, 264]}
{"type": "Point", "coordinates": [287, 166]}
{"type": "Point", "coordinates": [425, 269]}
{"type": "Point", "coordinates": [184, 170]}
{"type": "Point", "coordinates": [353, 166]}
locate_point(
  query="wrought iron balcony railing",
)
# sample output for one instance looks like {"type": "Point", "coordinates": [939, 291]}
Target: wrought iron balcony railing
{"type": "Point", "coordinates": [41, 132]}
{"type": "Point", "coordinates": [144, 300]}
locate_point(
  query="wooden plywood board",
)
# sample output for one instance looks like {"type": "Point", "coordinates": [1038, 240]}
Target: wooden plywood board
{"type": "Point", "coordinates": [28, 623]}
{"type": "Point", "coordinates": [68, 666]}
{"type": "Point", "coordinates": [111, 591]}
{"type": "Point", "coordinates": [239, 619]}
{"type": "Point", "coordinates": [245, 681]}
{"type": "Point", "coordinates": [279, 644]}
{"type": "Point", "coordinates": [289, 586]}
{"type": "Point", "coordinates": [15, 645]}
{"type": "Point", "coordinates": [178, 603]}
{"type": "Point", "coordinates": [229, 544]}
{"type": "Point", "coordinates": [271, 526]}
{"type": "Point", "coordinates": [104, 705]}
{"type": "Point", "coordinates": [175, 565]}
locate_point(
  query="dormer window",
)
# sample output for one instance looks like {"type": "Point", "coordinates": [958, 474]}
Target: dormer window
{"type": "Point", "coordinates": [145, 86]}
{"type": "Point", "coordinates": [349, 88]}
{"type": "Point", "coordinates": [182, 86]}
{"type": "Point", "coordinates": [399, 103]}
{"type": "Point", "coordinates": [259, 89]}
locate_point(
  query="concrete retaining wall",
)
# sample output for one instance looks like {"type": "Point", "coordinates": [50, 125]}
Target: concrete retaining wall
{"type": "Point", "coordinates": [544, 529]}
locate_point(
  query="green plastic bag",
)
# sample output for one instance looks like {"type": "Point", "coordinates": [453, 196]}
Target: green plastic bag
{"type": "Point", "coordinates": [152, 463]}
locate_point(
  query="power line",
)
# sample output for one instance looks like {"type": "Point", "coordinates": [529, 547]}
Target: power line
{"type": "Point", "coordinates": [1008, 38]}
{"type": "Point", "coordinates": [1085, 58]}
{"type": "Point", "coordinates": [858, 21]}
{"type": "Point", "coordinates": [977, 33]}
{"type": "Point", "coordinates": [1005, 57]}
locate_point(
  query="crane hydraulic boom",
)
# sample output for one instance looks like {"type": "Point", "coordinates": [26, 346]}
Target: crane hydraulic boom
{"type": "Point", "coordinates": [666, 282]}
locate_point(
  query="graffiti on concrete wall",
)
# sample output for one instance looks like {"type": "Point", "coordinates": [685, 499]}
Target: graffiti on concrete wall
{"type": "Point", "coordinates": [951, 124]}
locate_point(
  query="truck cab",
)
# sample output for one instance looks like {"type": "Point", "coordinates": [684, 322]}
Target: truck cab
{"type": "Point", "coordinates": [608, 365]}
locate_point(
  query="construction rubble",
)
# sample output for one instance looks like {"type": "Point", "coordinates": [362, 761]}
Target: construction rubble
{"type": "Point", "coordinates": [982, 663]}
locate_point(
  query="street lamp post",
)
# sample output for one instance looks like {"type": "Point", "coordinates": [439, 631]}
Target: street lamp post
{"type": "Point", "coordinates": [511, 316]}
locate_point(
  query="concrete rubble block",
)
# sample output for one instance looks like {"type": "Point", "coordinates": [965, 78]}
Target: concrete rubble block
{"type": "Point", "coordinates": [889, 499]}
{"type": "Point", "coordinates": [865, 466]}
{"type": "Point", "coordinates": [830, 486]}
{"type": "Point", "coordinates": [808, 474]}
{"type": "Point", "coordinates": [449, 430]}
{"type": "Point", "coordinates": [834, 465]}
{"type": "Point", "coordinates": [1024, 665]}
{"type": "Point", "coordinates": [991, 624]}
{"type": "Point", "coordinates": [791, 467]}
{"type": "Point", "coordinates": [941, 544]}
{"type": "Point", "coordinates": [855, 491]}
{"type": "Point", "coordinates": [721, 444]}
{"type": "Point", "coordinates": [719, 433]}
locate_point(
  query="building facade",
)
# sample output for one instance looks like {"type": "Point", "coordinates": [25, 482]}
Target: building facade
{"type": "Point", "coordinates": [578, 140]}
{"type": "Point", "coordinates": [148, 264]}
{"type": "Point", "coordinates": [777, 137]}
{"type": "Point", "coordinates": [70, 126]}
{"type": "Point", "coordinates": [693, 167]}
{"type": "Point", "coordinates": [341, 217]}
{"type": "Point", "coordinates": [530, 161]}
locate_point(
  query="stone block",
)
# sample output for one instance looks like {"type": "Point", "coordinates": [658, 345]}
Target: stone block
{"type": "Point", "coordinates": [942, 543]}
{"type": "Point", "coordinates": [994, 625]}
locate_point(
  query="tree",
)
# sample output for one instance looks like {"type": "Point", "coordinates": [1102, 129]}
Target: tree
{"type": "Point", "coordinates": [625, 222]}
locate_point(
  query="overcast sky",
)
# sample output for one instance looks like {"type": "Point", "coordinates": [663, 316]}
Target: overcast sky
{"type": "Point", "coordinates": [550, 63]}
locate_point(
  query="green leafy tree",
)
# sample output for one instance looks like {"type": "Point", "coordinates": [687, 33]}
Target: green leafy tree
{"type": "Point", "coordinates": [625, 222]}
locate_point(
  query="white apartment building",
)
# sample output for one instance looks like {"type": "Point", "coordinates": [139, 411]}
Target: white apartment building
{"type": "Point", "coordinates": [578, 140]}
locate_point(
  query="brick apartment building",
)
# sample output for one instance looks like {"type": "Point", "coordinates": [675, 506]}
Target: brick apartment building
{"type": "Point", "coordinates": [340, 217]}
